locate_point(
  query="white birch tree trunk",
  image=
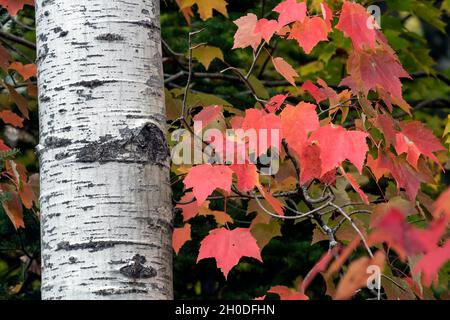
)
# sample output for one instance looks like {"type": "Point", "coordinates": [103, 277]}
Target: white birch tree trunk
{"type": "Point", "coordinates": [105, 193]}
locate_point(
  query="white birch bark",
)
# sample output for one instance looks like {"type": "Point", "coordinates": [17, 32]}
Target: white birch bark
{"type": "Point", "coordinates": [105, 195]}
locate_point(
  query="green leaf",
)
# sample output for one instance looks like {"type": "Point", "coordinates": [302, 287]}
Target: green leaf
{"type": "Point", "coordinates": [426, 11]}
{"type": "Point", "coordinates": [173, 105]}
{"type": "Point", "coordinates": [312, 67]}
{"type": "Point", "coordinates": [446, 6]}
{"type": "Point", "coordinates": [263, 233]}
{"type": "Point", "coordinates": [404, 5]}
{"type": "Point", "coordinates": [200, 99]}
{"type": "Point", "coordinates": [259, 88]}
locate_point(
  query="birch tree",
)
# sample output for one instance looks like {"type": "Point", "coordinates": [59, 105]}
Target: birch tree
{"type": "Point", "coordinates": [105, 195]}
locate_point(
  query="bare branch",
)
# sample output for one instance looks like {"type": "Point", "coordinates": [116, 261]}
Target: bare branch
{"type": "Point", "coordinates": [354, 226]}
{"type": "Point", "coordinates": [18, 40]}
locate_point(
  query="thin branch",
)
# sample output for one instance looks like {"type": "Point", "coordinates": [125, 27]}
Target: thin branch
{"type": "Point", "coordinates": [18, 40]}
{"type": "Point", "coordinates": [302, 215]}
{"type": "Point", "coordinates": [246, 82]}
{"type": "Point", "coordinates": [169, 50]}
{"type": "Point", "coordinates": [354, 226]}
{"type": "Point", "coordinates": [174, 77]}
{"type": "Point", "coordinates": [255, 58]}
{"type": "Point", "coordinates": [266, 61]}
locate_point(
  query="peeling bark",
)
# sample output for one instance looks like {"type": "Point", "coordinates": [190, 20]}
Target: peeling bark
{"type": "Point", "coordinates": [105, 193]}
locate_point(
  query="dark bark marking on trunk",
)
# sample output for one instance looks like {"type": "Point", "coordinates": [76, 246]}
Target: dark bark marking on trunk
{"type": "Point", "coordinates": [43, 52]}
{"type": "Point", "coordinates": [44, 99]}
{"type": "Point", "coordinates": [146, 145]}
{"type": "Point", "coordinates": [43, 37]}
{"type": "Point", "coordinates": [111, 292]}
{"type": "Point", "coordinates": [62, 156]}
{"type": "Point", "coordinates": [92, 83]}
{"type": "Point", "coordinates": [144, 24]}
{"type": "Point", "coordinates": [136, 269]}
{"type": "Point", "coordinates": [53, 142]}
{"type": "Point", "coordinates": [94, 246]}
{"type": "Point", "coordinates": [110, 37]}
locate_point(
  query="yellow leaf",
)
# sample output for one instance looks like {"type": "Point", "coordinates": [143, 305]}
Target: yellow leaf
{"type": "Point", "coordinates": [447, 132]}
{"type": "Point", "coordinates": [206, 54]}
{"type": "Point", "coordinates": [187, 12]}
{"type": "Point", "coordinates": [447, 127]}
{"type": "Point", "coordinates": [205, 7]}
{"type": "Point", "coordinates": [312, 67]}
{"type": "Point", "coordinates": [221, 217]}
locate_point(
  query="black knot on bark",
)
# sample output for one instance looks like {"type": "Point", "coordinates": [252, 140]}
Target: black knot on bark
{"type": "Point", "coordinates": [110, 37]}
{"type": "Point", "coordinates": [146, 145]}
{"type": "Point", "coordinates": [136, 269]}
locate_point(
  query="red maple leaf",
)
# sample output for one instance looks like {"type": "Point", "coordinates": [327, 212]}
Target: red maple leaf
{"type": "Point", "coordinates": [188, 205]}
{"type": "Point", "coordinates": [3, 146]}
{"type": "Point", "coordinates": [208, 115]}
{"type": "Point", "coordinates": [354, 22]}
{"type": "Point", "coordinates": [286, 293]}
{"type": "Point", "coordinates": [355, 185]}
{"type": "Point", "coordinates": [385, 123]}
{"type": "Point", "coordinates": [11, 118]}
{"type": "Point", "coordinates": [430, 263]}
{"type": "Point", "coordinates": [290, 11]}
{"type": "Point", "coordinates": [442, 206]}
{"type": "Point", "coordinates": [309, 33]}
{"type": "Point", "coordinates": [228, 247]}
{"type": "Point", "coordinates": [403, 237]}
{"type": "Point", "coordinates": [206, 178]}
{"type": "Point", "coordinates": [337, 145]}
{"type": "Point", "coordinates": [247, 175]}
{"type": "Point", "coordinates": [26, 71]}
{"type": "Point", "coordinates": [266, 28]}
{"type": "Point", "coordinates": [373, 70]}
{"type": "Point", "coordinates": [405, 176]}
{"type": "Point", "coordinates": [315, 91]}
{"type": "Point", "coordinates": [276, 102]}
{"type": "Point", "coordinates": [266, 127]}
{"type": "Point", "coordinates": [320, 266]}
{"type": "Point", "coordinates": [327, 14]}
{"type": "Point", "coordinates": [415, 139]}
{"type": "Point", "coordinates": [180, 237]}
{"type": "Point", "coordinates": [298, 122]}
{"type": "Point", "coordinates": [13, 206]}
{"type": "Point", "coordinates": [275, 204]}
{"type": "Point", "coordinates": [285, 69]}
{"type": "Point", "coordinates": [310, 164]}
{"type": "Point", "coordinates": [357, 275]}
{"type": "Point", "coordinates": [245, 35]}
{"type": "Point", "coordinates": [13, 6]}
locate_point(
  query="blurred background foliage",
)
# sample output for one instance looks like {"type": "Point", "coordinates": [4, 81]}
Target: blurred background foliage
{"type": "Point", "coordinates": [416, 29]}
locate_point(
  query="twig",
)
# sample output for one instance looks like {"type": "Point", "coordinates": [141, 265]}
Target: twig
{"type": "Point", "coordinates": [255, 58]}
{"type": "Point", "coordinates": [341, 211]}
{"type": "Point", "coordinates": [246, 82]}
{"type": "Point", "coordinates": [18, 40]}
{"type": "Point", "coordinates": [302, 215]}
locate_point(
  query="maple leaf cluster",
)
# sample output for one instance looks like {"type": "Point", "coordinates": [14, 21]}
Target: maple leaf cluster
{"type": "Point", "coordinates": [316, 150]}
{"type": "Point", "coordinates": [20, 193]}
